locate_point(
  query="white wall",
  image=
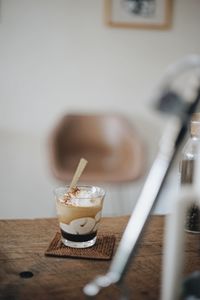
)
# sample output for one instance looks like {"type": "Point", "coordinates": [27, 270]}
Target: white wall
{"type": "Point", "coordinates": [57, 56]}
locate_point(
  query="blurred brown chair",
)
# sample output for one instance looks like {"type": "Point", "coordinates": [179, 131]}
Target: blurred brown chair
{"type": "Point", "coordinates": [109, 143]}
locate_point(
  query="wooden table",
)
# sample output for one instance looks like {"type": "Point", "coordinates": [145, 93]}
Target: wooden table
{"type": "Point", "coordinates": [22, 247]}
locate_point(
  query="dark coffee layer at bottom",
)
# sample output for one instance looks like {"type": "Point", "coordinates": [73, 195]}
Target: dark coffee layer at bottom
{"type": "Point", "coordinates": [78, 237]}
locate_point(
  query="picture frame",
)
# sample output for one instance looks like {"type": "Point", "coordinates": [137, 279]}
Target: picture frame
{"type": "Point", "coordinates": [138, 14]}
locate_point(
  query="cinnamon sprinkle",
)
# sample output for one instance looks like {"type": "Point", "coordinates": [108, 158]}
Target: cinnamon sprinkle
{"type": "Point", "coordinates": [72, 193]}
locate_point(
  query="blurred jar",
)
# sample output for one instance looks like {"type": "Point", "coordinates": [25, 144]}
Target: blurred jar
{"type": "Point", "coordinates": [190, 153]}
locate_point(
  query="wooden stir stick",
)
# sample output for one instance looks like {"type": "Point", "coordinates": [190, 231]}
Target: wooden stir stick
{"type": "Point", "coordinates": [79, 170]}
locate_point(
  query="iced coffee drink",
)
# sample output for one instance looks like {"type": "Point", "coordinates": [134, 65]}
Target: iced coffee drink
{"type": "Point", "coordinates": [79, 213]}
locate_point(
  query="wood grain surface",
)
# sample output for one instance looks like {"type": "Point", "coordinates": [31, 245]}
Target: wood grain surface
{"type": "Point", "coordinates": [22, 247]}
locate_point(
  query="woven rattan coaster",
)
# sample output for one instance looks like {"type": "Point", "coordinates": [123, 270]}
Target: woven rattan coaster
{"type": "Point", "coordinates": [103, 248]}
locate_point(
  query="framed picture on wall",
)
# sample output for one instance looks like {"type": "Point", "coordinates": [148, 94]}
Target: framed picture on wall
{"type": "Point", "coordinates": [141, 14]}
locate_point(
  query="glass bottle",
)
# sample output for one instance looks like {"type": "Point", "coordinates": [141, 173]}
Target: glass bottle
{"type": "Point", "coordinates": [190, 153]}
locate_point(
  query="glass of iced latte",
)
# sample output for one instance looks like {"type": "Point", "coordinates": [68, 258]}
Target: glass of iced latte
{"type": "Point", "coordinates": [79, 213]}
